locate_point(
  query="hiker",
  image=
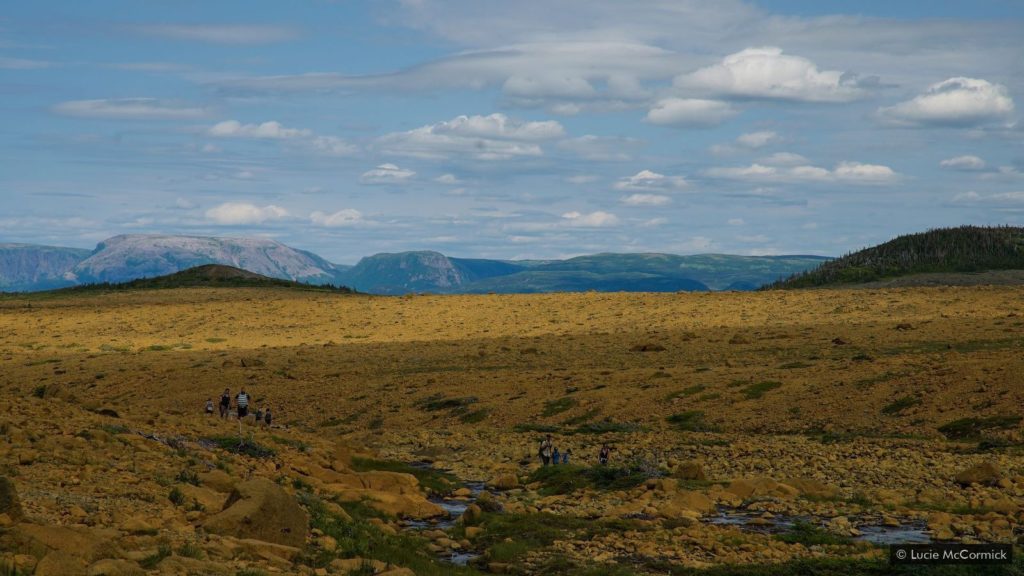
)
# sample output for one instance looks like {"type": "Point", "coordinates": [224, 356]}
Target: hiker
{"type": "Point", "coordinates": [225, 403]}
{"type": "Point", "coordinates": [259, 416]}
{"type": "Point", "coordinates": [545, 450]}
{"type": "Point", "coordinates": [266, 417]}
{"type": "Point", "coordinates": [565, 455]}
{"type": "Point", "coordinates": [209, 406]}
{"type": "Point", "coordinates": [242, 399]}
{"type": "Point", "coordinates": [604, 454]}
{"type": "Point", "coordinates": [555, 456]}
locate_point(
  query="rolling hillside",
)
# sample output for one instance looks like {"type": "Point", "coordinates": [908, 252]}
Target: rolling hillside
{"type": "Point", "coordinates": [966, 249]}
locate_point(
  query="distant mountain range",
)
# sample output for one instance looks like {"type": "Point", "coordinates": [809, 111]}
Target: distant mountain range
{"type": "Point", "coordinates": [935, 256]}
{"type": "Point", "coordinates": [130, 257]}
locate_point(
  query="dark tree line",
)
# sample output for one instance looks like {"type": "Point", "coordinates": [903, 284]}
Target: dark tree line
{"type": "Point", "coordinates": [944, 250]}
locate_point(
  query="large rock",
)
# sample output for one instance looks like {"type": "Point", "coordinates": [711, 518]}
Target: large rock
{"type": "Point", "coordinates": [9, 502]}
{"type": "Point", "coordinates": [89, 544]}
{"type": "Point", "coordinates": [413, 506]}
{"type": "Point", "coordinates": [985, 473]}
{"type": "Point", "coordinates": [686, 504]}
{"type": "Point", "coordinates": [690, 471]}
{"type": "Point", "coordinates": [115, 567]}
{"type": "Point", "coordinates": [814, 488]}
{"type": "Point", "coordinates": [261, 510]}
{"type": "Point", "coordinates": [60, 564]}
{"type": "Point", "coordinates": [757, 487]}
{"type": "Point", "coordinates": [505, 481]}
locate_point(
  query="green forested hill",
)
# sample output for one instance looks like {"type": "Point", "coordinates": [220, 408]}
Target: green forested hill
{"type": "Point", "coordinates": [943, 250]}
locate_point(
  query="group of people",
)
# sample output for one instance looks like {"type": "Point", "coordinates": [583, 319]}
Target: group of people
{"type": "Point", "coordinates": [550, 455]}
{"type": "Point", "coordinates": [242, 407]}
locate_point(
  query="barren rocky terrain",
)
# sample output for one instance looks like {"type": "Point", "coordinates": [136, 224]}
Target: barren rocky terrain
{"type": "Point", "coordinates": [797, 430]}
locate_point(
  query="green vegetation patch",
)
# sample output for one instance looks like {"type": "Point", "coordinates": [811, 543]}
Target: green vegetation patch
{"type": "Point", "coordinates": [567, 478]}
{"type": "Point", "coordinates": [242, 446]}
{"type": "Point", "coordinates": [439, 402]}
{"type": "Point", "coordinates": [360, 538]}
{"type": "Point", "coordinates": [810, 535]}
{"type": "Point", "coordinates": [436, 481]}
{"type": "Point", "coordinates": [552, 407]}
{"type": "Point", "coordinates": [476, 416]}
{"type": "Point", "coordinates": [972, 428]}
{"type": "Point", "coordinates": [755, 391]}
{"type": "Point", "coordinates": [898, 406]}
{"type": "Point", "coordinates": [690, 421]}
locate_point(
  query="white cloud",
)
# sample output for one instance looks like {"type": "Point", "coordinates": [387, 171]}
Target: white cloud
{"type": "Point", "coordinates": [332, 146]}
{"type": "Point", "coordinates": [592, 220]}
{"type": "Point", "coordinates": [768, 73]}
{"type": "Point", "coordinates": [448, 179]}
{"type": "Point", "coordinates": [493, 137]}
{"type": "Point", "coordinates": [21, 64]}
{"type": "Point", "coordinates": [579, 179]}
{"type": "Point", "coordinates": [601, 148]}
{"type": "Point", "coordinates": [757, 139]}
{"type": "Point", "coordinates": [645, 200]}
{"type": "Point", "coordinates": [273, 130]}
{"type": "Point", "coordinates": [784, 159]}
{"type": "Point", "coordinates": [220, 33]}
{"type": "Point", "coordinates": [957, 101]}
{"type": "Point", "coordinates": [966, 163]}
{"type": "Point", "coordinates": [844, 171]}
{"type": "Point", "coordinates": [386, 174]}
{"type": "Point", "coordinates": [864, 172]}
{"type": "Point", "coordinates": [649, 180]}
{"type": "Point", "coordinates": [184, 204]}
{"type": "Point", "coordinates": [1005, 199]}
{"type": "Point", "coordinates": [235, 213]}
{"type": "Point", "coordinates": [268, 130]}
{"type": "Point", "coordinates": [690, 112]}
{"type": "Point", "coordinates": [735, 222]}
{"type": "Point", "coordinates": [339, 219]}
{"type": "Point", "coordinates": [130, 109]}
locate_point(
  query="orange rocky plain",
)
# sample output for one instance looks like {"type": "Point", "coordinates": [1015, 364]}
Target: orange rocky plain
{"type": "Point", "coordinates": [855, 408]}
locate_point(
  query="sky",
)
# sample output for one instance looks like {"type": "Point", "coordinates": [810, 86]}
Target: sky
{"type": "Point", "coordinates": [527, 129]}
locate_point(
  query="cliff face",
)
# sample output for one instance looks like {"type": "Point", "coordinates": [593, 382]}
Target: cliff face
{"type": "Point", "coordinates": [26, 267]}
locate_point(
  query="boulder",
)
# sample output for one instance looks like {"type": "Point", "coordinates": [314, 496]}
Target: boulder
{"type": "Point", "coordinates": [413, 506]}
{"type": "Point", "coordinates": [756, 487]}
{"type": "Point", "coordinates": [505, 481]}
{"type": "Point", "coordinates": [210, 500]}
{"type": "Point", "coordinates": [115, 567]}
{"type": "Point", "coordinates": [218, 480]}
{"type": "Point", "coordinates": [261, 510]}
{"type": "Point", "coordinates": [471, 516]}
{"type": "Point", "coordinates": [985, 473]}
{"type": "Point", "coordinates": [814, 488]}
{"type": "Point", "coordinates": [9, 502]}
{"type": "Point", "coordinates": [60, 564]}
{"type": "Point", "coordinates": [689, 471]}
{"type": "Point", "coordinates": [89, 544]}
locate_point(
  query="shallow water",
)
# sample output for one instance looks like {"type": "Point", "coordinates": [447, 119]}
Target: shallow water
{"type": "Point", "coordinates": [455, 508]}
{"type": "Point", "coordinates": [747, 520]}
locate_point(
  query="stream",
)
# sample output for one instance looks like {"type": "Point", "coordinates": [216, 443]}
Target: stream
{"type": "Point", "coordinates": [454, 506]}
{"type": "Point", "coordinates": [871, 529]}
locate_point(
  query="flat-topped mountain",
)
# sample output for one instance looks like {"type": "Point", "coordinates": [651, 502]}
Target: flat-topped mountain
{"type": "Point", "coordinates": [31, 267]}
{"type": "Point", "coordinates": [129, 257]}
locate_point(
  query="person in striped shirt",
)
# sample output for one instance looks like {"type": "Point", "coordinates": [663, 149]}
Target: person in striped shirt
{"type": "Point", "coordinates": [242, 400]}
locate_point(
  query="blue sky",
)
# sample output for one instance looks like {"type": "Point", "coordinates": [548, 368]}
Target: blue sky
{"type": "Point", "coordinates": [532, 129]}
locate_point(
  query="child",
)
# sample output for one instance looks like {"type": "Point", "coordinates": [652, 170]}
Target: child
{"type": "Point", "coordinates": [556, 457]}
{"type": "Point", "coordinates": [209, 406]}
{"type": "Point", "coordinates": [259, 416]}
{"type": "Point", "coordinates": [565, 455]}
{"type": "Point", "coordinates": [267, 417]}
